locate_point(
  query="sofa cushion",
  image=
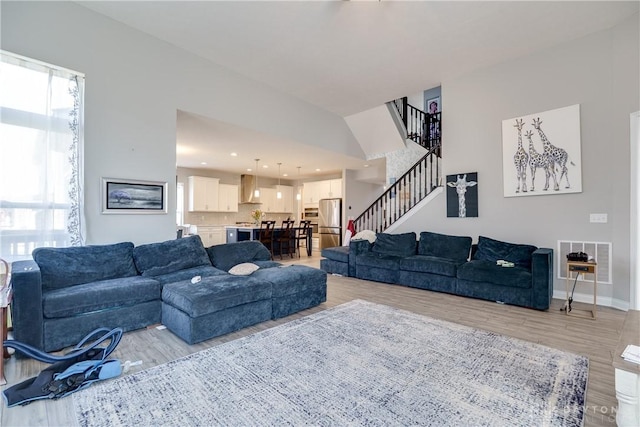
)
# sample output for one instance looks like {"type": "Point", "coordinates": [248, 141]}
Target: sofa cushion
{"type": "Point", "coordinates": [389, 262]}
{"type": "Point", "coordinates": [189, 273]}
{"type": "Point", "coordinates": [444, 246]}
{"type": "Point", "coordinates": [292, 279]}
{"type": "Point", "coordinates": [489, 272]}
{"type": "Point", "coordinates": [214, 294]}
{"type": "Point", "coordinates": [400, 245]}
{"type": "Point", "coordinates": [226, 256]}
{"type": "Point", "coordinates": [430, 264]}
{"type": "Point", "coordinates": [167, 257]}
{"type": "Point", "coordinates": [494, 250]}
{"type": "Point", "coordinates": [99, 295]}
{"type": "Point", "coordinates": [338, 253]}
{"type": "Point", "coordinates": [62, 267]}
{"type": "Point", "coordinates": [267, 264]}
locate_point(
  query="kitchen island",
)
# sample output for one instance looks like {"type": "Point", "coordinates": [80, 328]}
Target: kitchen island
{"type": "Point", "coordinates": [239, 233]}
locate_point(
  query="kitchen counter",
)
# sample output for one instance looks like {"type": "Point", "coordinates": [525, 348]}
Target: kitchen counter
{"type": "Point", "coordinates": [239, 233]}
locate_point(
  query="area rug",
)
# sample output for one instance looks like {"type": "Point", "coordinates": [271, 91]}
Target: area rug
{"type": "Point", "coordinates": [356, 364]}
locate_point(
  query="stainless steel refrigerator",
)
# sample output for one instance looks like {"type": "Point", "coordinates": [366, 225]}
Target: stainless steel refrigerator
{"type": "Point", "coordinates": [330, 222]}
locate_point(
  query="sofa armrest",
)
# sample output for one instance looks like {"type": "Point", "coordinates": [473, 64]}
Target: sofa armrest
{"type": "Point", "coordinates": [542, 278]}
{"type": "Point", "coordinates": [26, 304]}
{"type": "Point", "coordinates": [357, 247]}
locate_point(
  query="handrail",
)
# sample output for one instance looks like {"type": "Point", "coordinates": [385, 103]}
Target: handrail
{"type": "Point", "coordinates": [412, 187]}
{"type": "Point", "coordinates": [422, 128]}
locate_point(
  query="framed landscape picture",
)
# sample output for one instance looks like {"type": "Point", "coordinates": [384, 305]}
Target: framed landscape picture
{"type": "Point", "coordinates": [130, 196]}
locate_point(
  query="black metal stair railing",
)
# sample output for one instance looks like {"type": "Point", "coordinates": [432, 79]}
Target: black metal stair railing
{"type": "Point", "coordinates": [404, 194]}
{"type": "Point", "coordinates": [422, 128]}
{"type": "Point", "coordinates": [419, 181]}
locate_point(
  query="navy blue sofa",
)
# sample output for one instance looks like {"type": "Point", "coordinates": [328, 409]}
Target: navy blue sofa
{"type": "Point", "coordinates": [65, 293]}
{"type": "Point", "coordinates": [450, 264]}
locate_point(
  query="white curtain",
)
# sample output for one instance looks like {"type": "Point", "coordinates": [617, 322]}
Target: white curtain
{"type": "Point", "coordinates": [41, 151]}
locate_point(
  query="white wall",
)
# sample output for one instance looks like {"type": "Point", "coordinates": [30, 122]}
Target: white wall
{"type": "Point", "coordinates": [134, 86]}
{"type": "Point", "coordinates": [600, 72]}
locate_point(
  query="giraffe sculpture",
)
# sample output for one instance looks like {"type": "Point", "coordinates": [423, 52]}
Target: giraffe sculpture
{"type": "Point", "coordinates": [461, 185]}
{"type": "Point", "coordinates": [554, 154]}
{"type": "Point", "coordinates": [520, 160]}
{"type": "Point", "coordinates": [539, 160]}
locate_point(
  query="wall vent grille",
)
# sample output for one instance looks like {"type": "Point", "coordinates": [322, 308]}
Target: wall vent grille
{"type": "Point", "coordinates": [600, 251]}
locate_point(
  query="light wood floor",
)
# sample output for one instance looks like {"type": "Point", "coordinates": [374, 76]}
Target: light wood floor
{"type": "Point", "coordinates": [595, 339]}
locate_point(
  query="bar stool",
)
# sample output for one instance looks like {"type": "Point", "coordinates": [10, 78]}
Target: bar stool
{"type": "Point", "coordinates": [286, 238]}
{"type": "Point", "coordinates": [302, 234]}
{"type": "Point", "coordinates": [265, 235]}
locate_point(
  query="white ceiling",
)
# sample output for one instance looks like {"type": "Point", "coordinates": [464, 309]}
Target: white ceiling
{"type": "Point", "coordinates": [347, 57]}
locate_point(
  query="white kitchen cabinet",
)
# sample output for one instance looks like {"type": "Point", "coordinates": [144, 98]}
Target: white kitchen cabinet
{"type": "Point", "coordinates": [227, 198]}
{"type": "Point", "coordinates": [203, 194]}
{"type": "Point", "coordinates": [335, 188]}
{"type": "Point", "coordinates": [285, 204]}
{"type": "Point", "coordinates": [316, 190]}
{"type": "Point", "coordinates": [311, 193]}
{"type": "Point", "coordinates": [212, 235]}
{"type": "Point", "coordinates": [268, 199]}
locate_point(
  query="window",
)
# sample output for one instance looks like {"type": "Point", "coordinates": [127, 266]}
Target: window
{"type": "Point", "coordinates": [41, 111]}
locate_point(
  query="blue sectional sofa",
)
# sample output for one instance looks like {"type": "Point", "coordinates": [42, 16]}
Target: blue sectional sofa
{"type": "Point", "coordinates": [65, 293]}
{"type": "Point", "coordinates": [450, 264]}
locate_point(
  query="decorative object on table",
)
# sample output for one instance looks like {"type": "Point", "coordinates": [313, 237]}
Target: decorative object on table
{"type": "Point", "coordinates": [257, 216]}
{"type": "Point", "coordinates": [552, 151]}
{"type": "Point", "coordinates": [462, 195]}
{"type": "Point", "coordinates": [131, 196]}
{"type": "Point", "coordinates": [352, 373]}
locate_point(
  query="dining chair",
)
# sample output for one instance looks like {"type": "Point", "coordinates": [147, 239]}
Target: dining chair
{"type": "Point", "coordinates": [302, 233]}
{"type": "Point", "coordinates": [286, 238]}
{"type": "Point", "coordinates": [265, 235]}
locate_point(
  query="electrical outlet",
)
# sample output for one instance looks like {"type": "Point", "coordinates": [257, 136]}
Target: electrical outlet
{"type": "Point", "coordinates": [598, 218]}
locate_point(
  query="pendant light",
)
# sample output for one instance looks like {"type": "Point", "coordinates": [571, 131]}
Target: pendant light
{"type": "Point", "coordinates": [256, 192]}
{"type": "Point", "coordinates": [298, 195]}
{"type": "Point", "coordinates": [279, 193]}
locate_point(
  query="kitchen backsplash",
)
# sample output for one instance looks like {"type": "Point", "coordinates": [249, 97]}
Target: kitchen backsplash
{"type": "Point", "coordinates": [230, 218]}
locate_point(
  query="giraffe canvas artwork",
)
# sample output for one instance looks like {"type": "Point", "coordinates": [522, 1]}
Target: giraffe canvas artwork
{"type": "Point", "coordinates": [462, 195]}
{"type": "Point", "coordinates": [551, 151]}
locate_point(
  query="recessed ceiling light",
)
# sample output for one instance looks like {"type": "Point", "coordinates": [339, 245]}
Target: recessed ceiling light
{"type": "Point", "coordinates": [285, 174]}
{"type": "Point", "coordinates": [203, 163]}
{"type": "Point", "coordinates": [265, 166]}
{"type": "Point", "coordinates": [249, 169]}
{"type": "Point", "coordinates": [317, 169]}
{"type": "Point", "coordinates": [234, 154]}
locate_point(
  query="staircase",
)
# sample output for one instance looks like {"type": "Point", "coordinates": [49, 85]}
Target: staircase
{"type": "Point", "coordinates": [418, 182]}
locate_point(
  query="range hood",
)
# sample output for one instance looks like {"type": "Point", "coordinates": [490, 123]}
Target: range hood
{"type": "Point", "coordinates": [247, 186]}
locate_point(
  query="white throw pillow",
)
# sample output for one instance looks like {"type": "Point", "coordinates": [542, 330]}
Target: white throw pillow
{"type": "Point", "coordinates": [244, 269]}
{"type": "Point", "coordinates": [365, 235]}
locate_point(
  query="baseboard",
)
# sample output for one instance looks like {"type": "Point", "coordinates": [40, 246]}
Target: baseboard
{"type": "Point", "coordinates": [588, 299]}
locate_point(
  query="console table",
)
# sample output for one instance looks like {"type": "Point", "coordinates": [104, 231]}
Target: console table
{"type": "Point", "coordinates": [628, 374]}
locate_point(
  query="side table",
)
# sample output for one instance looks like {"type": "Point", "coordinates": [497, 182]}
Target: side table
{"type": "Point", "coordinates": [579, 267]}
